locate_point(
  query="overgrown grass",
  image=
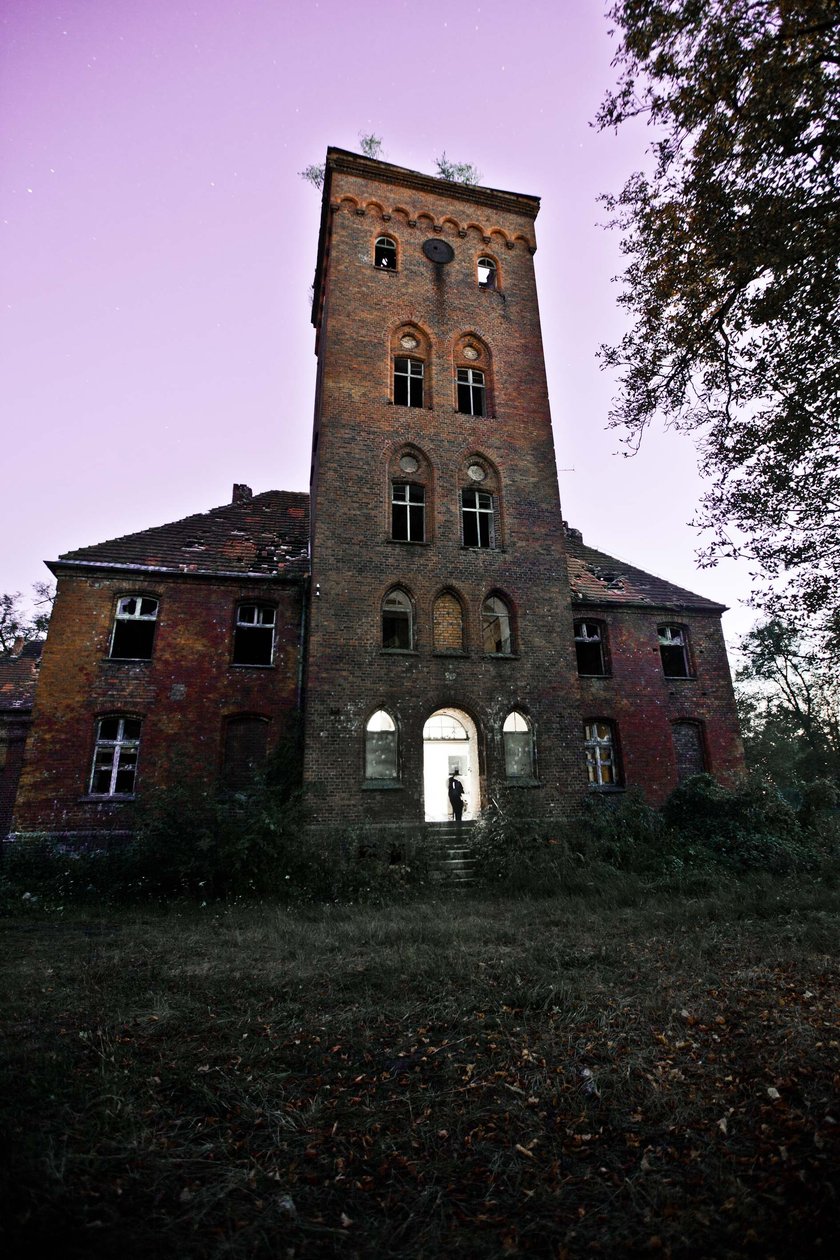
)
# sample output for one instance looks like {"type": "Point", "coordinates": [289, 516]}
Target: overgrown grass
{"type": "Point", "coordinates": [472, 1078]}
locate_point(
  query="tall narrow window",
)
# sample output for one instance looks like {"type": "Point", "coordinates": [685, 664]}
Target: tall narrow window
{"type": "Point", "coordinates": [471, 391]}
{"type": "Point", "coordinates": [246, 742]}
{"type": "Point", "coordinates": [673, 648]}
{"type": "Point", "coordinates": [599, 743]}
{"type": "Point", "coordinates": [518, 737]}
{"type": "Point", "coordinates": [133, 635]}
{"type": "Point", "coordinates": [408, 510]}
{"type": "Point", "coordinates": [477, 523]}
{"type": "Point", "coordinates": [495, 627]}
{"type": "Point", "coordinates": [381, 747]}
{"type": "Point", "coordinates": [486, 273]}
{"type": "Point", "coordinates": [589, 648]}
{"type": "Point", "coordinates": [448, 620]}
{"type": "Point", "coordinates": [253, 636]}
{"type": "Point", "coordinates": [408, 382]}
{"type": "Point", "coordinates": [688, 749]}
{"type": "Point", "coordinates": [385, 254]}
{"type": "Point", "coordinates": [397, 622]}
{"type": "Point", "coordinates": [115, 756]}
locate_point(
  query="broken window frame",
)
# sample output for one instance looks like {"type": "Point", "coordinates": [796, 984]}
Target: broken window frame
{"type": "Point", "coordinates": [490, 277]}
{"type": "Point", "coordinates": [254, 638]}
{"type": "Point", "coordinates": [471, 389]}
{"type": "Point", "coordinates": [496, 627]}
{"type": "Point", "coordinates": [408, 381]}
{"type": "Point", "coordinates": [600, 748]}
{"type": "Point", "coordinates": [518, 743]}
{"type": "Point", "coordinates": [673, 650]}
{"type": "Point", "coordinates": [115, 755]}
{"type": "Point", "coordinates": [381, 748]}
{"type": "Point", "coordinates": [385, 253]}
{"type": "Point", "coordinates": [397, 621]}
{"type": "Point", "coordinates": [133, 631]}
{"type": "Point", "coordinates": [590, 648]}
{"type": "Point", "coordinates": [408, 512]}
{"type": "Point", "coordinates": [478, 519]}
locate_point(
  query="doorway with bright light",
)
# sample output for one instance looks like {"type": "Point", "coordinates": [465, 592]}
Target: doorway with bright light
{"type": "Point", "coordinates": [450, 746]}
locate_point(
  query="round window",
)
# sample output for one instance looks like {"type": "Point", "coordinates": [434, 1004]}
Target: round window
{"type": "Point", "coordinates": [409, 464]}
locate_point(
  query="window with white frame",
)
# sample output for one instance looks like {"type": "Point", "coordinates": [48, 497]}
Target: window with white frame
{"type": "Point", "coordinates": [115, 756]}
{"type": "Point", "coordinates": [385, 254]}
{"type": "Point", "coordinates": [486, 268]}
{"type": "Point", "coordinates": [253, 636]}
{"type": "Point", "coordinates": [495, 627]}
{"type": "Point", "coordinates": [381, 747]}
{"type": "Point", "coordinates": [408, 382]}
{"type": "Point", "coordinates": [133, 634]}
{"type": "Point", "coordinates": [673, 649]}
{"type": "Point", "coordinates": [599, 743]}
{"type": "Point", "coordinates": [477, 519]}
{"type": "Point", "coordinates": [408, 512]}
{"type": "Point", "coordinates": [589, 648]}
{"type": "Point", "coordinates": [471, 391]}
{"type": "Point", "coordinates": [518, 737]}
{"type": "Point", "coordinates": [397, 622]}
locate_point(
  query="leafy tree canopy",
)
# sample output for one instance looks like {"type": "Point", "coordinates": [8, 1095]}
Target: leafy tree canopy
{"type": "Point", "coordinates": [733, 282]}
{"type": "Point", "coordinates": [19, 623]}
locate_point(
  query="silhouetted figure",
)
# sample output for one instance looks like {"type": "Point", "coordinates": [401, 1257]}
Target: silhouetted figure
{"type": "Point", "coordinates": [456, 797]}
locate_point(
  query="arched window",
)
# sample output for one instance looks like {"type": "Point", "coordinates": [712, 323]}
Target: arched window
{"type": "Point", "coordinates": [473, 376]}
{"type": "Point", "coordinates": [496, 636]}
{"type": "Point", "coordinates": [385, 254]}
{"type": "Point", "coordinates": [601, 758]}
{"type": "Point", "coordinates": [448, 622]}
{"type": "Point", "coordinates": [487, 275]}
{"type": "Point", "coordinates": [133, 633]}
{"type": "Point", "coordinates": [518, 737]}
{"type": "Point", "coordinates": [246, 745]}
{"type": "Point", "coordinates": [408, 511]}
{"type": "Point", "coordinates": [381, 747]}
{"type": "Point", "coordinates": [472, 400]}
{"type": "Point", "coordinates": [397, 622]}
{"type": "Point", "coordinates": [408, 382]}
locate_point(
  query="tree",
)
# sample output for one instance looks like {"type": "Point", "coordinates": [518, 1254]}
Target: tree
{"type": "Point", "coordinates": [18, 623]}
{"type": "Point", "coordinates": [733, 280]}
{"type": "Point", "coordinates": [458, 172]}
{"type": "Point", "coordinates": [370, 145]}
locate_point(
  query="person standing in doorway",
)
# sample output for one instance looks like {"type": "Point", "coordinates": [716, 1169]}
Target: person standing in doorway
{"type": "Point", "coordinates": [456, 796]}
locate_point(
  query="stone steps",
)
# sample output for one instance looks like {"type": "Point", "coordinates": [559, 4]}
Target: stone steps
{"type": "Point", "coordinates": [452, 859]}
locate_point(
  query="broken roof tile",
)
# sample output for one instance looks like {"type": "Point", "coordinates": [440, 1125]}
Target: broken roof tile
{"type": "Point", "coordinates": [597, 578]}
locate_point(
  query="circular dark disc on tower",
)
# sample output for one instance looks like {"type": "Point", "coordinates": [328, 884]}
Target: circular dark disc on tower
{"type": "Point", "coordinates": [437, 250]}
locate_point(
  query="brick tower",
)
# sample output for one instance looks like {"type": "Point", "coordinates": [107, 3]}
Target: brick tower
{"type": "Point", "coordinates": [440, 623]}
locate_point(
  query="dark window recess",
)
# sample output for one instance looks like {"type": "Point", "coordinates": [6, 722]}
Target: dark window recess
{"type": "Point", "coordinates": [673, 648]}
{"type": "Point", "coordinates": [495, 627]}
{"type": "Point", "coordinates": [688, 749]}
{"type": "Point", "coordinates": [471, 392]}
{"type": "Point", "coordinates": [385, 254]}
{"type": "Point", "coordinates": [408, 382]}
{"type": "Point", "coordinates": [519, 747]}
{"type": "Point", "coordinates": [115, 756]}
{"type": "Point", "coordinates": [396, 622]}
{"type": "Point", "coordinates": [486, 273]}
{"type": "Point", "coordinates": [589, 646]}
{"type": "Point", "coordinates": [408, 505]}
{"type": "Point", "coordinates": [134, 628]}
{"type": "Point", "coordinates": [477, 518]}
{"type": "Point", "coordinates": [253, 637]}
{"type": "Point", "coordinates": [381, 747]}
{"type": "Point", "coordinates": [246, 743]}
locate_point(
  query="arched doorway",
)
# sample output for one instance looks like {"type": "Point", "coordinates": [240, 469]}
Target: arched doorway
{"type": "Point", "coordinates": [450, 746]}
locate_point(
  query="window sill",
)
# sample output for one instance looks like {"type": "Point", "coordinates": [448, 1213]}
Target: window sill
{"type": "Point", "coordinates": [580, 675]}
{"type": "Point", "coordinates": [409, 542]}
{"type": "Point", "coordinates": [680, 678]}
{"type": "Point", "coordinates": [118, 798]}
{"type": "Point", "coordinates": [126, 660]}
{"type": "Point", "coordinates": [485, 550]}
{"type": "Point", "coordinates": [398, 652]}
{"type": "Point", "coordinates": [247, 665]}
{"type": "Point", "coordinates": [502, 656]}
{"type": "Point", "coordinates": [607, 789]}
{"type": "Point", "coordinates": [381, 785]}
{"type": "Point", "coordinates": [454, 654]}
{"type": "Point", "coordinates": [523, 783]}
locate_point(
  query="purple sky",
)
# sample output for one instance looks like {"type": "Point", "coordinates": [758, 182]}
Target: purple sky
{"type": "Point", "coordinates": [159, 245]}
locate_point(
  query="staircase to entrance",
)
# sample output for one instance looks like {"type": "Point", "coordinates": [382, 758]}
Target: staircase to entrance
{"type": "Point", "coordinates": [452, 858]}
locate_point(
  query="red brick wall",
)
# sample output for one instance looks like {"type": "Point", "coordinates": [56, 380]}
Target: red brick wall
{"type": "Point", "coordinates": [183, 694]}
{"type": "Point", "coordinates": [14, 728]}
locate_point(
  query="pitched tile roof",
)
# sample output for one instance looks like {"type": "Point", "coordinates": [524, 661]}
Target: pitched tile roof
{"type": "Point", "coordinates": [597, 578]}
{"type": "Point", "coordinates": [18, 675]}
{"type": "Point", "coordinates": [265, 535]}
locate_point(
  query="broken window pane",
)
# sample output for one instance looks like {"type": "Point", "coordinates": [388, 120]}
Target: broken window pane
{"type": "Point", "coordinates": [673, 648]}
{"type": "Point", "coordinates": [396, 622]}
{"type": "Point", "coordinates": [407, 512]}
{"type": "Point", "coordinates": [518, 739]}
{"type": "Point", "coordinates": [486, 273]}
{"type": "Point", "coordinates": [253, 636]}
{"type": "Point", "coordinates": [495, 627]}
{"type": "Point", "coordinates": [600, 754]}
{"type": "Point", "coordinates": [385, 254]}
{"type": "Point", "coordinates": [408, 382]}
{"type": "Point", "coordinates": [477, 518]}
{"type": "Point", "coordinates": [115, 756]}
{"type": "Point", "coordinates": [133, 635]}
{"type": "Point", "coordinates": [470, 391]}
{"type": "Point", "coordinates": [381, 747]}
{"type": "Point", "coordinates": [589, 647]}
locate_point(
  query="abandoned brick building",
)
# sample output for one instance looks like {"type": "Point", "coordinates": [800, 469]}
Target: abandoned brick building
{"type": "Point", "coordinates": [424, 610]}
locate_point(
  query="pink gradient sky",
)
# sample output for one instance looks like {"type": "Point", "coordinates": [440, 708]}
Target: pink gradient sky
{"type": "Point", "coordinates": [159, 245]}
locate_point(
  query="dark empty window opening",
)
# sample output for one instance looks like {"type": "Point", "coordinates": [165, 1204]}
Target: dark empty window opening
{"type": "Point", "coordinates": [486, 273]}
{"type": "Point", "coordinates": [246, 744]}
{"type": "Point", "coordinates": [518, 738]}
{"type": "Point", "coordinates": [385, 254]}
{"type": "Point", "coordinates": [115, 756]}
{"type": "Point", "coordinates": [495, 627]}
{"type": "Point", "coordinates": [673, 648]}
{"type": "Point", "coordinates": [396, 622]}
{"type": "Point", "coordinates": [589, 646]}
{"type": "Point", "coordinates": [471, 393]}
{"type": "Point", "coordinates": [408, 382]}
{"type": "Point", "coordinates": [134, 628]}
{"type": "Point", "coordinates": [381, 747]}
{"type": "Point", "coordinates": [477, 518]}
{"type": "Point", "coordinates": [253, 637]}
{"type": "Point", "coordinates": [599, 743]}
{"type": "Point", "coordinates": [408, 509]}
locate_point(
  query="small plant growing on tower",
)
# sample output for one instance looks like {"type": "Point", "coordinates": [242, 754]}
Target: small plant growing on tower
{"type": "Point", "coordinates": [458, 172]}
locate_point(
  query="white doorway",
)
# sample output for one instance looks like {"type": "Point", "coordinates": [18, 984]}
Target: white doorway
{"type": "Point", "coordinates": [450, 746]}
